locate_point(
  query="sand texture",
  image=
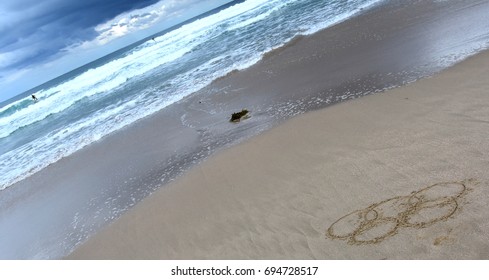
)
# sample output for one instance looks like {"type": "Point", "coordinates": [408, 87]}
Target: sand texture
{"type": "Point", "coordinates": [399, 175]}
{"type": "Point", "coordinates": [277, 195]}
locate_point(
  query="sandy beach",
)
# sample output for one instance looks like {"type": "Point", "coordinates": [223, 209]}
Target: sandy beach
{"type": "Point", "coordinates": [401, 174]}
{"type": "Point", "coordinates": [398, 175]}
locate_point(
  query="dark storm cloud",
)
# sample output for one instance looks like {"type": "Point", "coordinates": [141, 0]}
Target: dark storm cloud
{"type": "Point", "coordinates": [34, 30]}
{"type": "Point", "coordinates": [43, 39]}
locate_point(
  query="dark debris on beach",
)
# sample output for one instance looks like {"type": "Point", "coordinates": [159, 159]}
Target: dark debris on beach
{"type": "Point", "coordinates": [237, 117]}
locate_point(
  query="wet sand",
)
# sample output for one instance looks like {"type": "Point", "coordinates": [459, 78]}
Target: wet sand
{"type": "Point", "coordinates": [398, 175]}
{"type": "Point", "coordinates": [55, 210]}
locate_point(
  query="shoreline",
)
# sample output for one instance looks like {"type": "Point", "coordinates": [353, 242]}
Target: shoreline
{"type": "Point", "coordinates": [55, 210]}
{"type": "Point", "coordinates": [277, 195]}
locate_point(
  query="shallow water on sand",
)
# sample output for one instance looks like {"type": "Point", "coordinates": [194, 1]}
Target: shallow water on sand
{"type": "Point", "coordinates": [52, 211]}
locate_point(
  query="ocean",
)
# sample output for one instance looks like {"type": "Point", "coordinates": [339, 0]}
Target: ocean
{"type": "Point", "coordinates": [50, 202]}
{"type": "Point", "coordinates": [105, 96]}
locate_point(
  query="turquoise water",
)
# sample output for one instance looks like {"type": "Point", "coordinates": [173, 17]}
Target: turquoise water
{"type": "Point", "coordinates": [84, 106]}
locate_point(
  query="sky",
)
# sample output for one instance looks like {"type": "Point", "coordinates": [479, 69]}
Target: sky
{"type": "Point", "coordinates": [43, 39]}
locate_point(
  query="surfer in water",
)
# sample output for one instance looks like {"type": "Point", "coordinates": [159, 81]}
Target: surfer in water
{"type": "Point", "coordinates": [34, 98]}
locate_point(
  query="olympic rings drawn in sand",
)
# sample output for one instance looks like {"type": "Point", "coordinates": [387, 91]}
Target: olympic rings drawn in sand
{"type": "Point", "coordinates": [381, 220]}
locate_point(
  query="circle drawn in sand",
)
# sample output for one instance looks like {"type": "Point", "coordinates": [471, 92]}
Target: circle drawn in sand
{"type": "Point", "coordinates": [381, 220]}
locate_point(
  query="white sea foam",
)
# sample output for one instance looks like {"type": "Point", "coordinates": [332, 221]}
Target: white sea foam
{"type": "Point", "coordinates": [154, 75]}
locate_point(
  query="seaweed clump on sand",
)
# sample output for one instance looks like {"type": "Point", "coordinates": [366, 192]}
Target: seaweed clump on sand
{"type": "Point", "coordinates": [237, 117]}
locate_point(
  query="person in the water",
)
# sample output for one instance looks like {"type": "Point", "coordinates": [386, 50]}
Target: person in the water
{"type": "Point", "coordinates": [34, 97]}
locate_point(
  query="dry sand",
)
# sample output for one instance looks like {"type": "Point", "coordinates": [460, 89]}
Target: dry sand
{"type": "Point", "coordinates": [51, 212]}
{"type": "Point", "coordinates": [294, 191]}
